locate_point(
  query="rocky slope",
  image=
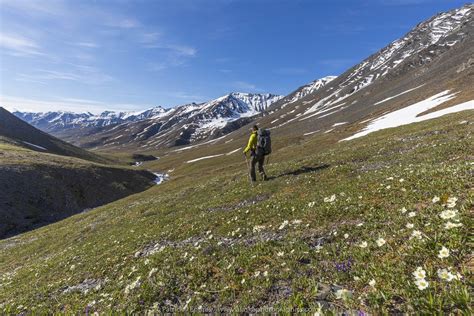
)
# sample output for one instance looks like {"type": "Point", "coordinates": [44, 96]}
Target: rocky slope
{"type": "Point", "coordinates": [433, 58]}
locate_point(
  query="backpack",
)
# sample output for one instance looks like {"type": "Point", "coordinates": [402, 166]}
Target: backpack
{"type": "Point", "coordinates": [264, 142]}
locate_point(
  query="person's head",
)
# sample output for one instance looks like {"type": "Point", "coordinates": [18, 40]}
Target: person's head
{"type": "Point", "coordinates": [255, 128]}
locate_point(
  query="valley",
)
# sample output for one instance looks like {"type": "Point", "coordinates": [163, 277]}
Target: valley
{"type": "Point", "coordinates": [367, 208]}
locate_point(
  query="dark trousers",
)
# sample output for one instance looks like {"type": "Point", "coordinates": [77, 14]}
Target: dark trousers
{"type": "Point", "coordinates": [260, 159]}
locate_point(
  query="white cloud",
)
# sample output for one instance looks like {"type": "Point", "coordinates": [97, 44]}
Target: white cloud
{"type": "Point", "coordinates": [86, 44]}
{"type": "Point", "coordinates": [182, 50]}
{"type": "Point", "coordinates": [149, 39]}
{"type": "Point", "coordinates": [19, 45]}
{"type": "Point", "coordinates": [12, 103]}
{"type": "Point", "coordinates": [121, 22]}
{"type": "Point", "coordinates": [177, 55]}
{"type": "Point", "coordinates": [34, 7]}
{"type": "Point", "coordinates": [79, 73]}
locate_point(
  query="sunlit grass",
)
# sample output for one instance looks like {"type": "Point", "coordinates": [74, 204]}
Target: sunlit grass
{"type": "Point", "coordinates": [379, 225]}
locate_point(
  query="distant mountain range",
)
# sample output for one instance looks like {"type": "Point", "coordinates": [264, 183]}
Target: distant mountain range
{"type": "Point", "coordinates": [435, 56]}
{"type": "Point", "coordinates": [185, 123]}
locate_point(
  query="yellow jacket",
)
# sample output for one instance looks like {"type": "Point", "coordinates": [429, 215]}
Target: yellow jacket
{"type": "Point", "coordinates": [252, 145]}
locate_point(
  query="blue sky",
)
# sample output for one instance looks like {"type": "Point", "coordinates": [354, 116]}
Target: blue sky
{"type": "Point", "coordinates": [83, 55]}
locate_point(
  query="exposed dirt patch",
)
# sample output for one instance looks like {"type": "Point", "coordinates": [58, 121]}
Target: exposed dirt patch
{"type": "Point", "coordinates": [85, 286]}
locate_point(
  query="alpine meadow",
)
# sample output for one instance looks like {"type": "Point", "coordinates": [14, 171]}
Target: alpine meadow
{"type": "Point", "coordinates": [351, 194]}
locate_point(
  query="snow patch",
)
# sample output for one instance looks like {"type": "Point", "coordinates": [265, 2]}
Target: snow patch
{"type": "Point", "coordinates": [310, 133]}
{"type": "Point", "coordinates": [390, 98]}
{"type": "Point", "coordinates": [202, 158]}
{"type": "Point", "coordinates": [410, 113]}
{"type": "Point", "coordinates": [233, 151]}
{"type": "Point", "coordinates": [161, 177]}
{"type": "Point", "coordinates": [36, 146]}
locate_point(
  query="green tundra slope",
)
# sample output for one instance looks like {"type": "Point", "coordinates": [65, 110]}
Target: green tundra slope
{"type": "Point", "coordinates": [378, 224]}
{"type": "Point", "coordinates": [25, 135]}
{"type": "Point", "coordinates": [40, 188]}
{"type": "Point", "coordinates": [43, 179]}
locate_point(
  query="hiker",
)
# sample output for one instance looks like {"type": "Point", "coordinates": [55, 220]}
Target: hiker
{"type": "Point", "coordinates": [259, 145]}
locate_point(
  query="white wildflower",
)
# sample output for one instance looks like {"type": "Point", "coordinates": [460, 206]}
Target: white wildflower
{"type": "Point", "coordinates": [257, 274]}
{"type": "Point", "coordinates": [445, 275]}
{"type": "Point", "coordinates": [258, 228]}
{"type": "Point", "coordinates": [451, 202]}
{"type": "Point", "coordinates": [363, 244]}
{"type": "Point", "coordinates": [243, 281]}
{"type": "Point", "coordinates": [458, 276]}
{"type": "Point", "coordinates": [419, 273]}
{"type": "Point", "coordinates": [283, 225]}
{"type": "Point", "coordinates": [296, 222]}
{"type": "Point", "coordinates": [403, 210]}
{"type": "Point", "coordinates": [450, 225]}
{"type": "Point", "coordinates": [409, 225]}
{"type": "Point", "coordinates": [330, 199]}
{"type": "Point", "coordinates": [265, 274]}
{"type": "Point", "coordinates": [401, 180]}
{"type": "Point", "coordinates": [346, 236]}
{"type": "Point", "coordinates": [342, 294]}
{"type": "Point", "coordinates": [448, 214]}
{"type": "Point", "coordinates": [356, 278]}
{"type": "Point", "coordinates": [311, 204]}
{"type": "Point", "coordinates": [411, 214]}
{"type": "Point", "coordinates": [416, 234]}
{"type": "Point", "coordinates": [280, 254]}
{"type": "Point", "coordinates": [372, 283]}
{"type": "Point", "coordinates": [443, 253]}
{"type": "Point", "coordinates": [421, 284]}
{"type": "Point", "coordinates": [380, 242]}
{"type": "Point", "coordinates": [436, 199]}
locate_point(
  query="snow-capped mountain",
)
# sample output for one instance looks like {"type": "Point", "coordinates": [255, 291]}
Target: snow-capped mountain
{"type": "Point", "coordinates": [192, 122]}
{"type": "Point", "coordinates": [435, 56]}
{"type": "Point", "coordinates": [59, 120]}
{"type": "Point", "coordinates": [419, 47]}
{"type": "Point", "coordinates": [309, 88]}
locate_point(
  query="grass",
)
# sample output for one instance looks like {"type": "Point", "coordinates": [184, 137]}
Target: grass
{"type": "Point", "coordinates": [38, 188]}
{"type": "Point", "coordinates": [208, 241]}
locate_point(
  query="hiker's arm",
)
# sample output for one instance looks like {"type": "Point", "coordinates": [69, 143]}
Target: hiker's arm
{"type": "Point", "coordinates": [252, 140]}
